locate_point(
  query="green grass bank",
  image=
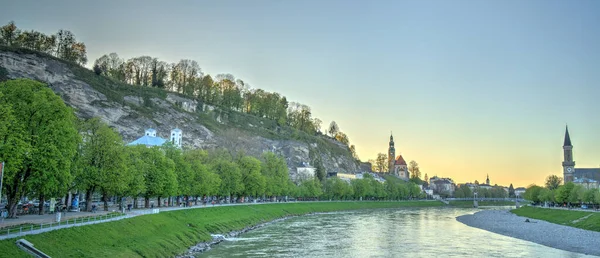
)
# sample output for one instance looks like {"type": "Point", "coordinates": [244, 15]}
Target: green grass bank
{"type": "Point", "coordinates": [469, 204]}
{"type": "Point", "coordinates": [579, 219]}
{"type": "Point", "coordinates": [171, 233]}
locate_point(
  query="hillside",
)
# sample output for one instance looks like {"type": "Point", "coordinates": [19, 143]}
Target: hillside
{"type": "Point", "coordinates": [131, 109]}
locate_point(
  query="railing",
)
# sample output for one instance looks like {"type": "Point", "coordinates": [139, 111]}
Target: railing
{"type": "Point", "coordinates": [28, 228]}
{"type": "Point", "coordinates": [483, 199]}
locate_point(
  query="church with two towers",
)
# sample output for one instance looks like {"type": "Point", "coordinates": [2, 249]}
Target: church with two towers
{"type": "Point", "coordinates": [570, 173]}
{"type": "Point", "coordinates": [396, 166]}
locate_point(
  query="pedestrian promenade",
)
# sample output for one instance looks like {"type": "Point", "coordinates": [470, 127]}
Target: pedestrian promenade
{"type": "Point", "coordinates": [98, 217]}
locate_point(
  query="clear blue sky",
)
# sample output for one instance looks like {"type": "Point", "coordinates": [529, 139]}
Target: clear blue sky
{"type": "Point", "coordinates": [469, 88]}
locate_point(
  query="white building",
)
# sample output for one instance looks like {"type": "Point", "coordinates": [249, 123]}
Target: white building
{"type": "Point", "coordinates": [304, 172]}
{"type": "Point", "coordinates": [150, 138]}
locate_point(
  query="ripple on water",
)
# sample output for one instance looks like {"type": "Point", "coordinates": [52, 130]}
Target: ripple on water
{"type": "Point", "coordinates": [416, 232]}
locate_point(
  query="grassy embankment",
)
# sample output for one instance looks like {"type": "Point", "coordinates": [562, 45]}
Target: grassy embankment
{"type": "Point", "coordinates": [170, 233]}
{"type": "Point", "coordinates": [469, 204]}
{"type": "Point", "coordinates": [579, 219]}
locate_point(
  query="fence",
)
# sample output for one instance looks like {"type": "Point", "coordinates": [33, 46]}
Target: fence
{"type": "Point", "coordinates": [24, 229]}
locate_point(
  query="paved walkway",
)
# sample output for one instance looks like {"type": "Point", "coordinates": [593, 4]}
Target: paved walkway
{"type": "Point", "coordinates": [46, 218]}
{"type": "Point", "coordinates": [49, 218]}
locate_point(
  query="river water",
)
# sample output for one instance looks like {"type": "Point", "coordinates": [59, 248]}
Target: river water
{"type": "Point", "coordinates": [405, 232]}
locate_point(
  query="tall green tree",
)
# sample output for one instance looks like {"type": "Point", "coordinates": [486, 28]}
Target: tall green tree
{"type": "Point", "coordinates": [563, 193]}
{"type": "Point", "coordinates": [104, 167]}
{"type": "Point", "coordinates": [38, 140]}
{"type": "Point", "coordinates": [183, 171]}
{"type": "Point", "coordinates": [206, 183]}
{"type": "Point", "coordinates": [136, 166]}
{"type": "Point", "coordinates": [231, 177]}
{"type": "Point", "coordinates": [254, 181]}
{"type": "Point", "coordinates": [532, 193]}
{"type": "Point", "coordinates": [276, 173]}
{"type": "Point", "coordinates": [160, 179]}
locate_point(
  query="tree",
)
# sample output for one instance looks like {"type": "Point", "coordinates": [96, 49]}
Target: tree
{"type": "Point", "coordinates": [333, 129]}
{"type": "Point", "coordinates": [413, 169]}
{"type": "Point", "coordinates": [104, 167]}
{"type": "Point", "coordinates": [553, 182]}
{"type": "Point", "coordinates": [381, 163]}
{"type": "Point", "coordinates": [231, 177]}
{"type": "Point", "coordinates": [9, 33]}
{"type": "Point", "coordinates": [532, 193]}
{"type": "Point", "coordinates": [254, 181]}
{"type": "Point", "coordinates": [206, 183]}
{"type": "Point", "coordinates": [69, 49]}
{"type": "Point", "coordinates": [38, 140]}
{"type": "Point", "coordinates": [320, 171]}
{"type": "Point", "coordinates": [276, 173]}
{"type": "Point", "coordinates": [563, 192]}
{"type": "Point", "coordinates": [136, 167]}
{"type": "Point", "coordinates": [342, 137]}
{"type": "Point", "coordinates": [159, 174]}
{"type": "Point", "coordinates": [511, 191]}
{"type": "Point", "coordinates": [183, 171]}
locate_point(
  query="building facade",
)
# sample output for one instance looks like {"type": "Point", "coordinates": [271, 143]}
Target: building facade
{"type": "Point", "coordinates": [570, 173]}
{"type": "Point", "coordinates": [396, 165]}
{"type": "Point", "coordinates": [150, 138]}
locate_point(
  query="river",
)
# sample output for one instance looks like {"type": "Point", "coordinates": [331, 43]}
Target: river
{"type": "Point", "coordinates": [406, 232]}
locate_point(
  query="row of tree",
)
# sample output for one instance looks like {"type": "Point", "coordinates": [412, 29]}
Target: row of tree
{"type": "Point", "coordinates": [562, 194]}
{"type": "Point", "coordinates": [49, 152]}
{"type": "Point", "coordinates": [494, 192]}
{"type": "Point", "coordinates": [224, 90]}
{"type": "Point", "coordinates": [63, 44]}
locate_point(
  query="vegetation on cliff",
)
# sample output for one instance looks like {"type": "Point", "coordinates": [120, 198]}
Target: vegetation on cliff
{"type": "Point", "coordinates": [151, 77]}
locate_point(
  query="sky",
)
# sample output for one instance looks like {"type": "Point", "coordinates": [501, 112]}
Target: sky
{"type": "Point", "coordinates": [468, 88]}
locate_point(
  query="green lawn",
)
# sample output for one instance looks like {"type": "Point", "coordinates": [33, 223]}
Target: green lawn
{"type": "Point", "coordinates": [563, 217]}
{"type": "Point", "coordinates": [469, 204]}
{"type": "Point", "coordinates": [170, 233]}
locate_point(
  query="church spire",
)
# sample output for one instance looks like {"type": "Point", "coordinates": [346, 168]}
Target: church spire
{"type": "Point", "coordinates": [567, 138]}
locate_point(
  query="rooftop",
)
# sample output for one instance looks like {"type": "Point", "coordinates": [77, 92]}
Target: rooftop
{"type": "Point", "coordinates": [148, 141]}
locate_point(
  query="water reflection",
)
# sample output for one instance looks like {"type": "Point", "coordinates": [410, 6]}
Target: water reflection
{"type": "Point", "coordinates": [414, 232]}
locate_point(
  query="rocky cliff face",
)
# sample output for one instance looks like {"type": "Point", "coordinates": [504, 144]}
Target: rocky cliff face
{"type": "Point", "coordinates": [172, 111]}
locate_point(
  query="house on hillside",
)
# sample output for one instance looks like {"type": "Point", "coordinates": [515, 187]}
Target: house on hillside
{"type": "Point", "coordinates": [151, 139]}
{"type": "Point", "coordinates": [304, 172]}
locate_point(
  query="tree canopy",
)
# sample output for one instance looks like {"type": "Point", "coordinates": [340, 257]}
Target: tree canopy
{"type": "Point", "coordinates": [38, 140]}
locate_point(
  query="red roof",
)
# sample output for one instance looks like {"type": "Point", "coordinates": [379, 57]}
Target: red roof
{"type": "Point", "coordinates": [400, 160]}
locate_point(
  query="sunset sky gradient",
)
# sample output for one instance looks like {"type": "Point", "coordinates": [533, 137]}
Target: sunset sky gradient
{"type": "Point", "coordinates": [468, 88]}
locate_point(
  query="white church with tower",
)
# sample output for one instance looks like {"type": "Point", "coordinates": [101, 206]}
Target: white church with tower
{"type": "Point", "coordinates": [150, 139]}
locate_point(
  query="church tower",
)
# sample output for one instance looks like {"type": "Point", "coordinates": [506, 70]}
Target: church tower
{"type": "Point", "coordinates": [568, 163]}
{"type": "Point", "coordinates": [391, 155]}
{"type": "Point", "coordinates": [487, 180]}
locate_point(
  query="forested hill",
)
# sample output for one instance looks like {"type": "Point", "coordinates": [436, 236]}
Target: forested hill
{"type": "Point", "coordinates": [227, 115]}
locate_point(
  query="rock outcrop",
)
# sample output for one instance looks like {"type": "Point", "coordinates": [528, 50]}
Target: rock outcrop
{"type": "Point", "coordinates": [131, 114]}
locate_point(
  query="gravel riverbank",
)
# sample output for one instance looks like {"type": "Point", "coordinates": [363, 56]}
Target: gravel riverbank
{"type": "Point", "coordinates": [538, 231]}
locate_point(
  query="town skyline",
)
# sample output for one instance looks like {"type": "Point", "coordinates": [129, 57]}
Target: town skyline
{"type": "Point", "coordinates": [468, 89]}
